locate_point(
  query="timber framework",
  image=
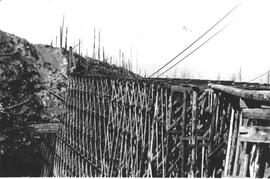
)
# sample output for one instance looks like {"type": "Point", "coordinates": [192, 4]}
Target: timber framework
{"type": "Point", "coordinates": [122, 127]}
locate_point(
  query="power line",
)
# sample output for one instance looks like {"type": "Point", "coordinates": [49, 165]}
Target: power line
{"type": "Point", "coordinates": [196, 40]}
{"type": "Point", "coordinates": [194, 50]}
{"type": "Point", "coordinates": [259, 76]}
{"type": "Point", "coordinates": [77, 45]}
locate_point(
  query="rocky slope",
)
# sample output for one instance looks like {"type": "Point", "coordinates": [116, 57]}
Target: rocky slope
{"type": "Point", "coordinates": [20, 105]}
{"type": "Point", "coordinates": [32, 86]}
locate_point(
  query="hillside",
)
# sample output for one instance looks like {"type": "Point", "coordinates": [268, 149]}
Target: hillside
{"type": "Point", "coordinates": [32, 87]}
{"type": "Point", "coordinates": [20, 85]}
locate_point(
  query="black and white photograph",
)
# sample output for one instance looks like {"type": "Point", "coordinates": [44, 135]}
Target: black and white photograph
{"type": "Point", "coordinates": [135, 88]}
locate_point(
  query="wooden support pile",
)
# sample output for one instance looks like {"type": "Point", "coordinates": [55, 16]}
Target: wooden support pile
{"type": "Point", "coordinates": [113, 128]}
{"type": "Point", "coordinates": [119, 127]}
{"type": "Point", "coordinates": [125, 127]}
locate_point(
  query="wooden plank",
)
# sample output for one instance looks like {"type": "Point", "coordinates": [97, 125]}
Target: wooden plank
{"type": "Point", "coordinates": [234, 143]}
{"type": "Point", "coordinates": [247, 94]}
{"type": "Point", "coordinates": [256, 113]}
{"type": "Point", "coordinates": [190, 138]}
{"type": "Point", "coordinates": [48, 128]}
{"type": "Point", "coordinates": [238, 145]}
{"type": "Point", "coordinates": [226, 171]}
{"type": "Point", "coordinates": [258, 134]}
{"type": "Point", "coordinates": [243, 173]}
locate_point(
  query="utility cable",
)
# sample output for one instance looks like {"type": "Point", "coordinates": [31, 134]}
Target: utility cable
{"type": "Point", "coordinates": [196, 40]}
{"type": "Point", "coordinates": [194, 50]}
{"type": "Point", "coordinates": [259, 76]}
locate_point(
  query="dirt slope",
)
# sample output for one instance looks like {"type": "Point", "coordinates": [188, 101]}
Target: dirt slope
{"type": "Point", "coordinates": [20, 85]}
{"type": "Point", "coordinates": [32, 86]}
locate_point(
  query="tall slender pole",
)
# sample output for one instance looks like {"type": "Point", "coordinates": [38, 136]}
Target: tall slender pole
{"type": "Point", "coordinates": [61, 32]}
{"type": "Point", "coordinates": [94, 44]}
{"type": "Point", "coordinates": [268, 77]}
{"type": "Point", "coordinates": [79, 46]}
{"type": "Point", "coordinates": [66, 38]}
{"type": "Point", "coordinates": [56, 41]}
{"type": "Point", "coordinates": [61, 35]}
{"type": "Point", "coordinates": [240, 74]}
{"type": "Point", "coordinates": [99, 44]}
{"type": "Point", "coordinates": [104, 60]}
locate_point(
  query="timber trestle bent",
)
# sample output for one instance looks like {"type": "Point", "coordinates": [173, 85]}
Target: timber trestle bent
{"type": "Point", "coordinates": [120, 127]}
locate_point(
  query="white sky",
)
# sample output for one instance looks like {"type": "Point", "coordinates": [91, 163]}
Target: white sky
{"type": "Point", "coordinates": [154, 29]}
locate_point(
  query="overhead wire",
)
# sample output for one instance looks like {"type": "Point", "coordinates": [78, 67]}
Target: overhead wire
{"type": "Point", "coordinates": [194, 50]}
{"type": "Point", "coordinates": [259, 76]}
{"type": "Point", "coordinates": [77, 45]}
{"type": "Point", "coordinates": [228, 13]}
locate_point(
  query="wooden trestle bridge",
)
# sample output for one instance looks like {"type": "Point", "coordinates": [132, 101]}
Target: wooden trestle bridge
{"type": "Point", "coordinates": [160, 128]}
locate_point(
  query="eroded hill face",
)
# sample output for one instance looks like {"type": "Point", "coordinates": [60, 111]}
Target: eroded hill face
{"type": "Point", "coordinates": [20, 84]}
{"type": "Point", "coordinates": [31, 76]}
{"type": "Point", "coordinates": [53, 74]}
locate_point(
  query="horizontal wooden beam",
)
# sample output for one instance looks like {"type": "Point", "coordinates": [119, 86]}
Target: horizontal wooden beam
{"type": "Point", "coordinates": [256, 113]}
{"type": "Point", "coordinates": [190, 138]}
{"type": "Point", "coordinates": [180, 88]}
{"type": "Point", "coordinates": [242, 93]}
{"type": "Point", "coordinates": [257, 134]}
{"type": "Point", "coordinates": [190, 146]}
{"type": "Point", "coordinates": [48, 128]}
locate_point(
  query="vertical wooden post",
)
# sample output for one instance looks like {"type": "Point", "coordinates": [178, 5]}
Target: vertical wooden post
{"type": "Point", "coordinates": [202, 161]}
{"type": "Point", "coordinates": [234, 142]}
{"type": "Point", "coordinates": [168, 136]}
{"type": "Point", "coordinates": [183, 148]}
{"type": "Point", "coordinates": [213, 102]}
{"type": "Point", "coordinates": [229, 144]}
{"type": "Point", "coordinates": [70, 60]}
{"type": "Point", "coordinates": [237, 153]}
{"type": "Point", "coordinates": [194, 134]}
{"type": "Point", "coordinates": [162, 133]}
